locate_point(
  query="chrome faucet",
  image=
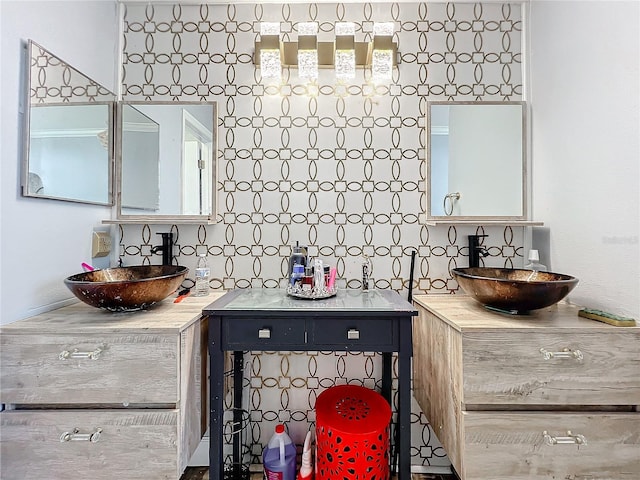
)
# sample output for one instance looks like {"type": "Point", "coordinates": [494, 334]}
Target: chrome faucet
{"type": "Point", "coordinates": [476, 250]}
{"type": "Point", "coordinates": [166, 248]}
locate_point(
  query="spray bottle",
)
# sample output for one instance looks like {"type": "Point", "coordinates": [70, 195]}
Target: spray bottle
{"type": "Point", "coordinates": [306, 471]}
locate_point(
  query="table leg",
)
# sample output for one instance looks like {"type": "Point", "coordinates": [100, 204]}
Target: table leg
{"type": "Point", "coordinates": [404, 399]}
{"type": "Point", "coordinates": [238, 376]}
{"type": "Point", "coordinates": [216, 382]}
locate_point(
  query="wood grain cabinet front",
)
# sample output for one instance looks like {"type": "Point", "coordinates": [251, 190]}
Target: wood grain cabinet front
{"type": "Point", "coordinates": [92, 394]}
{"type": "Point", "coordinates": [544, 396]}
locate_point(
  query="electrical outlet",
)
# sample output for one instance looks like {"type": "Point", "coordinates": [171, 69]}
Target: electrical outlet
{"type": "Point", "coordinates": [100, 244]}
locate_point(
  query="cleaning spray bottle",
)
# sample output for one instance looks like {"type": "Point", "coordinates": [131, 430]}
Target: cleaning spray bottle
{"type": "Point", "coordinates": [279, 458]}
{"type": "Point", "coordinates": [306, 471]}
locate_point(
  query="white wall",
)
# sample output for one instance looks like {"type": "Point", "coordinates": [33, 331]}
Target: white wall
{"type": "Point", "coordinates": [44, 241]}
{"type": "Point", "coordinates": [585, 93]}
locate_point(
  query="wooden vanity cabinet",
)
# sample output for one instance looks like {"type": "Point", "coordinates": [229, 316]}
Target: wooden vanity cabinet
{"type": "Point", "coordinates": [93, 394]}
{"type": "Point", "coordinates": [548, 395]}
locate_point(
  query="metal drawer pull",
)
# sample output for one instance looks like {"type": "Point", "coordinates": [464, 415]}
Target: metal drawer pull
{"type": "Point", "coordinates": [76, 436]}
{"type": "Point", "coordinates": [570, 439]}
{"type": "Point", "coordinates": [76, 354]}
{"type": "Point", "coordinates": [353, 334]}
{"type": "Point", "coordinates": [264, 333]}
{"type": "Point", "coordinates": [566, 353]}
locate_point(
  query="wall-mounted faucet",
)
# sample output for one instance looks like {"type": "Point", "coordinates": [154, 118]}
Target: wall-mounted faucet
{"type": "Point", "coordinates": [476, 250]}
{"type": "Point", "coordinates": [166, 248]}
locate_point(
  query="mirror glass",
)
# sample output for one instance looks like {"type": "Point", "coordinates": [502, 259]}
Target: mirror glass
{"type": "Point", "coordinates": [167, 160]}
{"type": "Point", "coordinates": [68, 147]}
{"type": "Point", "coordinates": [476, 160]}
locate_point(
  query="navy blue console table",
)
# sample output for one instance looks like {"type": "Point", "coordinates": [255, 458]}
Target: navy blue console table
{"type": "Point", "coordinates": [268, 319]}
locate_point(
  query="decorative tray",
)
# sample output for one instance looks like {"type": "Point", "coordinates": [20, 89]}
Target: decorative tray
{"type": "Point", "coordinates": [310, 294]}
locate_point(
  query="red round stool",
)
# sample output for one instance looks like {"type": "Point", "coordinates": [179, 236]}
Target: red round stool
{"type": "Point", "coordinates": [352, 434]}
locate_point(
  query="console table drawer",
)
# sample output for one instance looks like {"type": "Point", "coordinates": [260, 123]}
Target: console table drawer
{"type": "Point", "coordinates": [264, 332]}
{"type": "Point", "coordinates": [108, 444]}
{"type": "Point", "coordinates": [514, 446]}
{"type": "Point", "coordinates": [355, 333]}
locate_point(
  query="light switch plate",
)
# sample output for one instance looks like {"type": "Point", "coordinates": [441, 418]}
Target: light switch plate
{"type": "Point", "coordinates": [100, 244]}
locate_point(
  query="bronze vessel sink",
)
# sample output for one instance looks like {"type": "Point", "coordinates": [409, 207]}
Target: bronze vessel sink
{"type": "Point", "coordinates": [126, 288]}
{"type": "Point", "coordinates": [513, 290]}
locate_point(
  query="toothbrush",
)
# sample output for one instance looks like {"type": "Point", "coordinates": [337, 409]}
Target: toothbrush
{"type": "Point", "coordinates": [87, 267]}
{"type": "Point", "coordinates": [332, 278]}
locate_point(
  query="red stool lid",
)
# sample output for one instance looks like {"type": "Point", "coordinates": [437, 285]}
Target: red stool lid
{"type": "Point", "coordinates": [353, 410]}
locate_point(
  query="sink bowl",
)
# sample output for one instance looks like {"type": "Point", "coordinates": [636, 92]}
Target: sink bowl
{"type": "Point", "coordinates": [513, 290]}
{"type": "Point", "coordinates": [125, 289]}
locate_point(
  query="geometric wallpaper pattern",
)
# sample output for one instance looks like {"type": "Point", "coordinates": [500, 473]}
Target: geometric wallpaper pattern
{"type": "Point", "coordinates": [338, 167]}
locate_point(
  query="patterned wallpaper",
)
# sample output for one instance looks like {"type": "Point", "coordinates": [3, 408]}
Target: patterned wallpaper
{"type": "Point", "coordinates": [337, 167]}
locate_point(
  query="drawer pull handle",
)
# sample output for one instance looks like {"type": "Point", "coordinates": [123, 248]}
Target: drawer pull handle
{"type": "Point", "coordinates": [76, 436]}
{"type": "Point", "coordinates": [76, 354]}
{"type": "Point", "coordinates": [264, 333]}
{"type": "Point", "coordinates": [353, 334]}
{"type": "Point", "coordinates": [570, 439]}
{"type": "Point", "coordinates": [566, 353]}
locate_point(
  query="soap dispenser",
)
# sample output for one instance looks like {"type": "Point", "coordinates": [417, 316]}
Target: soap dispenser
{"type": "Point", "coordinates": [534, 262]}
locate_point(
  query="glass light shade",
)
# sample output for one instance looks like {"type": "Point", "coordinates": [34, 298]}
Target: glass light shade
{"type": "Point", "coordinates": [308, 50]}
{"type": "Point", "coordinates": [269, 28]}
{"type": "Point", "coordinates": [345, 54]}
{"type": "Point", "coordinates": [383, 28]}
{"type": "Point", "coordinates": [382, 65]}
{"type": "Point", "coordinates": [382, 58]}
{"type": "Point", "coordinates": [345, 64]}
{"type": "Point", "coordinates": [270, 66]}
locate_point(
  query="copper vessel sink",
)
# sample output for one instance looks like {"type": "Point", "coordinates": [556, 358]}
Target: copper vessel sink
{"type": "Point", "coordinates": [126, 288]}
{"type": "Point", "coordinates": [513, 290]}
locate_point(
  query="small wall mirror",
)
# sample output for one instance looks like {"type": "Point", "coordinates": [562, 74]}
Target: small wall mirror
{"type": "Point", "coordinates": [166, 161]}
{"type": "Point", "coordinates": [476, 161]}
{"type": "Point", "coordinates": [68, 146]}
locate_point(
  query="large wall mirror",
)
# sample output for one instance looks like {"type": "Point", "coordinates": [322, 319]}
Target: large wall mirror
{"type": "Point", "coordinates": [68, 140]}
{"type": "Point", "coordinates": [476, 161]}
{"type": "Point", "coordinates": [167, 161]}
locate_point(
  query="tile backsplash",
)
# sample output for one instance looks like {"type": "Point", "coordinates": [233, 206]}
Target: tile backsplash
{"type": "Point", "coordinates": [340, 168]}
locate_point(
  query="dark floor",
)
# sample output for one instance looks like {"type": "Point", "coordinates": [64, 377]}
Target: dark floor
{"type": "Point", "coordinates": [202, 473]}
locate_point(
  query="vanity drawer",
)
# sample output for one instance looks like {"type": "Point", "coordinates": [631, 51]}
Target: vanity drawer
{"type": "Point", "coordinates": [103, 369]}
{"type": "Point", "coordinates": [527, 368]}
{"type": "Point", "coordinates": [355, 334]}
{"type": "Point", "coordinates": [512, 446]}
{"type": "Point", "coordinates": [131, 444]}
{"type": "Point", "coordinates": [264, 332]}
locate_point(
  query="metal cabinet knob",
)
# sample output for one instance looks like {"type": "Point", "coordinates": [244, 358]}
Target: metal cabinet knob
{"type": "Point", "coordinates": [353, 334]}
{"type": "Point", "coordinates": [264, 333]}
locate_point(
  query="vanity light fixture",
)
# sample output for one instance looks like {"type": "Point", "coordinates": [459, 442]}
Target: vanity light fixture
{"type": "Point", "coordinates": [343, 54]}
{"type": "Point", "coordinates": [308, 50]}
{"type": "Point", "coordinates": [382, 51]}
{"type": "Point", "coordinates": [345, 50]}
{"type": "Point", "coordinates": [270, 61]}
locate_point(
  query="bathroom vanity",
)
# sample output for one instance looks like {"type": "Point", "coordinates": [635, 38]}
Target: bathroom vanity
{"type": "Point", "coordinates": [93, 394]}
{"type": "Point", "coordinates": [540, 396]}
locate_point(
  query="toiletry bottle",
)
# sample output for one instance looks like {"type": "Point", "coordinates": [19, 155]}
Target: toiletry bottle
{"type": "Point", "coordinates": [279, 458]}
{"type": "Point", "coordinates": [202, 277]}
{"type": "Point", "coordinates": [534, 262]}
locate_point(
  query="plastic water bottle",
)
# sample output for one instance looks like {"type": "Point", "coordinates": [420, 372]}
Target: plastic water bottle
{"type": "Point", "coordinates": [202, 277]}
{"type": "Point", "coordinates": [279, 458]}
